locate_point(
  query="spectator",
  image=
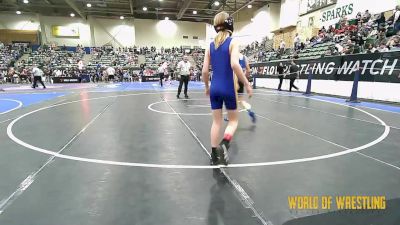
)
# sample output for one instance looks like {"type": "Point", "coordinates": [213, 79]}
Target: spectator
{"type": "Point", "coordinates": [349, 47]}
{"type": "Point", "coordinates": [393, 42]}
{"type": "Point", "coordinates": [296, 42]}
{"type": "Point", "coordinates": [359, 40]}
{"type": "Point", "coordinates": [331, 29]}
{"type": "Point", "coordinates": [383, 48]}
{"type": "Point", "coordinates": [380, 19]}
{"type": "Point", "coordinates": [293, 74]}
{"type": "Point", "coordinates": [280, 70]}
{"type": "Point", "coordinates": [358, 17]}
{"type": "Point", "coordinates": [371, 48]}
{"type": "Point", "coordinates": [374, 32]}
{"type": "Point", "coordinates": [282, 46]}
{"type": "Point", "coordinates": [366, 16]}
{"type": "Point", "coordinates": [382, 36]}
{"type": "Point", "coordinates": [110, 71]}
{"type": "Point", "coordinates": [308, 43]}
{"type": "Point", "coordinates": [396, 19]}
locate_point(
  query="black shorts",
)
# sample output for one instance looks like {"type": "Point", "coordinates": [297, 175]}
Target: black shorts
{"type": "Point", "coordinates": [111, 77]}
{"type": "Point", "coordinates": [241, 88]}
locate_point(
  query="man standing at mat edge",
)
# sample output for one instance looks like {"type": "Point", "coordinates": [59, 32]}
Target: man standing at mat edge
{"type": "Point", "coordinates": [110, 73]}
{"type": "Point", "coordinates": [37, 73]}
{"type": "Point", "coordinates": [280, 69]}
{"type": "Point", "coordinates": [293, 74]}
{"type": "Point", "coordinates": [184, 72]}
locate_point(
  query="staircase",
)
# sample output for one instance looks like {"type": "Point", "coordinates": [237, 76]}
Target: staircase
{"type": "Point", "coordinates": [25, 56]}
{"type": "Point", "coordinates": [141, 59]}
{"type": "Point", "coordinates": [86, 59]}
{"type": "Point", "coordinates": [269, 45]}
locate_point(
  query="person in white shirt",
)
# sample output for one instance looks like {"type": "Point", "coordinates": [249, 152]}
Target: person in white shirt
{"type": "Point", "coordinates": [166, 72]}
{"type": "Point", "coordinates": [282, 46]}
{"type": "Point", "coordinates": [110, 73]}
{"type": "Point", "coordinates": [296, 41]}
{"type": "Point", "coordinates": [37, 76]}
{"type": "Point", "coordinates": [80, 65]}
{"type": "Point", "coordinates": [383, 48]}
{"type": "Point", "coordinates": [184, 68]}
{"type": "Point", "coordinates": [161, 71]}
{"type": "Point", "coordinates": [396, 19]}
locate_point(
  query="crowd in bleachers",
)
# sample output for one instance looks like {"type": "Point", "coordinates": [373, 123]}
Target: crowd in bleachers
{"type": "Point", "coordinates": [9, 54]}
{"type": "Point", "coordinates": [366, 33]}
{"type": "Point", "coordinates": [110, 56]}
{"type": "Point", "coordinates": [52, 59]}
{"type": "Point", "coordinates": [123, 60]}
{"type": "Point", "coordinates": [165, 57]}
{"type": "Point", "coordinates": [172, 56]}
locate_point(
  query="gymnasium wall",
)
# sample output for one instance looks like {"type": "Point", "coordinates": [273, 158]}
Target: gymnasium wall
{"type": "Point", "coordinates": [289, 13]}
{"type": "Point", "coordinates": [98, 32]}
{"type": "Point", "coordinates": [21, 22]}
{"type": "Point", "coordinates": [264, 21]}
{"type": "Point", "coordinates": [73, 23]}
{"type": "Point", "coordinates": [114, 32]}
{"type": "Point", "coordinates": [168, 33]}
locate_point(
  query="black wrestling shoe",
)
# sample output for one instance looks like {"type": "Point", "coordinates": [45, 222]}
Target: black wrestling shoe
{"type": "Point", "coordinates": [222, 151]}
{"type": "Point", "coordinates": [177, 96]}
{"type": "Point", "coordinates": [214, 158]}
{"type": "Point", "coordinates": [187, 97]}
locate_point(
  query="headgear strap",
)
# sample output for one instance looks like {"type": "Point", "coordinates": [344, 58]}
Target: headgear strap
{"type": "Point", "coordinates": [227, 25]}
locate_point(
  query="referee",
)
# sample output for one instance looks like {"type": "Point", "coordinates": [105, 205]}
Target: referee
{"type": "Point", "coordinates": [294, 73]}
{"type": "Point", "coordinates": [280, 70]}
{"type": "Point", "coordinates": [184, 73]}
{"type": "Point", "coordinates": [37, 76]}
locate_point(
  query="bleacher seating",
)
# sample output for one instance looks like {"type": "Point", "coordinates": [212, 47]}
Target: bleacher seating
{"type": "Point", "coordinates": [122, 57]}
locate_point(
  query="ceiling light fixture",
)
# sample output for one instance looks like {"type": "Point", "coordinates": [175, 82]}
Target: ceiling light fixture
{"type": "Point", "coordinates": [89, 5]}
{"type": "Point", "coordinates": [166, 18]}
{"type": "Point", "coordinates": [26, 1]}
{"type": "Point", "coordinates": [121, 17]}
{"type": "Point", "coordinates": [18, 12]}
{"type": "Point", "coordinates": [216, 3]}
{"type": "Point", "coordinates": [249, 6]}
{"type": "Point", "coordinates": [145, 8]}
{"type": "Point", "coordinates": [194, 12]}
{"type": "Point", "coordinates": [72, 14]}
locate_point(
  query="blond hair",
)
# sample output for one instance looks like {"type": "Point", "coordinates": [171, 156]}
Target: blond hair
{"type": "Point", "coordinates": [222, 35]}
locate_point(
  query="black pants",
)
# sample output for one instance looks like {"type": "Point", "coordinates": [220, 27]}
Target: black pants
{"type": "Point", "coordinates": [36, 79]}
{"type": "Point", "coordinates": [292, 84]}
{"type": "Point", "coordinates": [161, 75]}
{"type": "Point", "coordinates": [183, 80]}
{"type": "Point", "coordinates": [280, 82]}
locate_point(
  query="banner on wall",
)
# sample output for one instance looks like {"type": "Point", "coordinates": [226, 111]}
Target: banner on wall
{"type": "Point", "coordinates": [307, 6]}
{"type": "Point", "coordinates": [377, 67]}
{"type": "Point", "coordinates": [337, 12]}
{"type": "Point", "coordinates": [65, 31]}
{"type": "Point", "coordinates": [350, 8]}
